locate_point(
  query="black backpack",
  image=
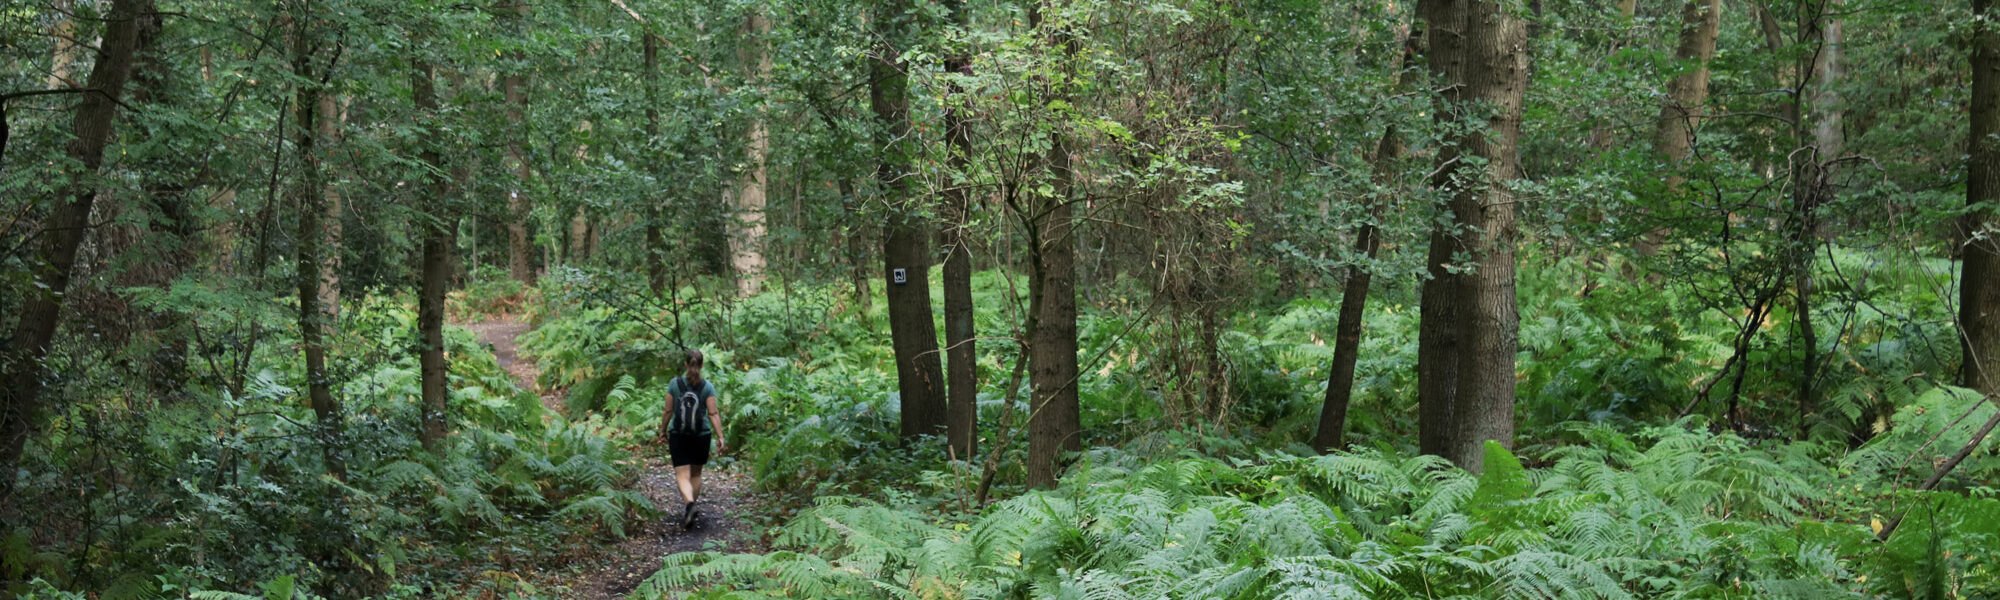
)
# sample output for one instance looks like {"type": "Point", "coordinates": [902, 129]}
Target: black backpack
{"type": "Point", "coordinates": [689, 409]}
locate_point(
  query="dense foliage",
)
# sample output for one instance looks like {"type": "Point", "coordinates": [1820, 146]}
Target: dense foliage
{"type": "Point", "coordinates": [1044, 299]}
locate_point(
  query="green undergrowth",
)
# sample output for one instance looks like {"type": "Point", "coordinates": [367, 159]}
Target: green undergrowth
{"type": "Point", "coordinates": [1668, 512]}
{"type": "Point", "coordinates": [229, 493]}
{"type": "Point", "coordinates": [1614, 493]}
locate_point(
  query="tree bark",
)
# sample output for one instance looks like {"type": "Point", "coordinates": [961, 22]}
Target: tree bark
{"type": "Point", "coordinates": [169, 231]}
{"type": "Point", "coordinates": [1812, 185]}
{"type": "Point", "coordinates": [331, 117]}
{"type": "Point", "coordinates": [1602, 137]}
{"type": "Point", "coordinates": [1054, 418]}
{"type": "Point", "coordinates": [746, 227]}
{"type": "Point", "coordinates": [513, 87]}
{"type": "Point", "coordinates": [439, 228]}
{"type": "Point", "coordinates": [1674, 130]}
{"type": "Point", "coordinates": [905, 245]}
{"type": "Point", "coordinates": [1332, 432]}
{"type": "Point", "coordinates": [1491, 73]}
{"type": "Point", "coordinates": [1438, 329]}
{"type": "Point", "coordinates": [962, 364]}
{"type": "Point", "coordinates": [63, 31]}
{"type": "Point", "coordinates": [64, 230]}
{"type": "Point", "coordinates": [656, 243]}
{"type": "Point", "coordinates": [1215, 391]}
{"type": "Point", "coordinates": [1979, 292]}
{"type": "Point", "coordinates": [309, 195]}
{"type": "Point", "coordinates": [857, 245]}
{"type": "Point", "coordinates": [1828, 116]}
{"type": "Point", "coordinates": [577, 251]}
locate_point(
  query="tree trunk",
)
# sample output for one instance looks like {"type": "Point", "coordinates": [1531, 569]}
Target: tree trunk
{"type": "Point", "coordinates": [905, 245]}
{"type": "Point", "coordinates": [656, 253]}
{"type": "Point", "coordinates": [577, 252]}
{"type": "Point", "coordinates": [962, 408]}
{"type": "Point", "coordinates": [1674, 130]}
{"type": "Point", "coordinates": [1332, 432]}
{"type": "Point", "coordinates": [309, 195]}
{"type": "Point", "coordinates": [439, 228]}
{"type": "Point", "coordinates": [331, 117]}
{"type": "Point", "coordinates": [170, 231]}
{"type": "Point", "coordinates": [1601, 136]}
{"type": "Point", "coordinates": [1774, 40]}
{"type": "Point", "coordinates": [746, 227]}
{"type": "Point", "coordinates": [513, 88]}
{"type": "Point", "coordinates": [1979, 293]}
{"type": "Point", "coordinates": [656, 243]}
{"type": "Point", "coordinates": [857, 245]}
{"type": "Point", "coordinates": [1812, 186]}
{"type": "Point", "coordinates": [66, 225]}
{"type": "Point", "coordinates": [1054, 417]}
{"type": "Point", "coordinates": [1491, 74]}
{"type": "Point", "coordinates": [1828, 134]}
{"type": "Point", "coordinates": [63, 31]}
{"type": "Point", "coordinates": [1438, 329]}
{"type": "Point", "coordinates": [1215, 388]}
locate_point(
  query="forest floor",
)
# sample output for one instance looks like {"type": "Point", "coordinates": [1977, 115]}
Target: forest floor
{"type": "Point", "coordinates": [613, 571]}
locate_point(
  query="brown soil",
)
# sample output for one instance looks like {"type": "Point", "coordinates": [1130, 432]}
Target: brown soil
{"type": "Point", "coordinates": [613, 571]}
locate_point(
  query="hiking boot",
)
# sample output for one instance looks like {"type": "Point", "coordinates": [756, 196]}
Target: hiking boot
{"type": "Point", "coordinates": [687, 516]}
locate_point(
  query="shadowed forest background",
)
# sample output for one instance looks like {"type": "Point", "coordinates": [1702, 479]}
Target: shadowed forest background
{"type": "Point", "coordinates": [1023, 299]}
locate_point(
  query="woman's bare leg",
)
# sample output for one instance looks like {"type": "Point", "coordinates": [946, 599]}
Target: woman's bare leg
{"type": "Point", "coordinates": [688, 477]}
{"type": "Point", "coordinates": [694, 477]}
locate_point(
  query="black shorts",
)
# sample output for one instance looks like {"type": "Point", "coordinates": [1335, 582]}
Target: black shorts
{"type": "Point", "coordinates": [688, 449]}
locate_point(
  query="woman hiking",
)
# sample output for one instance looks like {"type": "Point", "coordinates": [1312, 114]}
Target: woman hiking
{"type": "Point", "coordinates": [692, 418]}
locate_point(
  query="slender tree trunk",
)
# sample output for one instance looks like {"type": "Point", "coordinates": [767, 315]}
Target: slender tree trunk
{"type": "Point", "coordinates": [1674, 130]}
{"type": "Point", "coordinates": [64, 230]}
{"type": "Point", "coordinates": [1215, 390]}
{"type": "Point", "coordinates": [513, 87]}
{"type": "Point", "coordinates": [746, 235]}
{"type": "Point", "coordinates": [656, 243]}
{"type": "Point", "coordinates": [1830, 140]}
{"type": "Point", "coordinates": [331, 117]}
{"type": "Point", "coordinates": [169, 232]}
{"type": "Point", "coordinates": [595, 234]}
{"type": "Point", "coordinates": [1331, 434]}
{"type": "Point", "coordinates": [1812, 184]}
{"type": "Point", "coordinates": [309, 195]}
{"type": "Point", "coordinates": [1774, 40]}
{"type": "Point", "coordinates": [63, 31]}
{"type": "Point", "coordinates": [962, 408]}
{"type": "Point", "coordinates": [1054, 420]}
{"type": "Point", "coordinates": [905, 244]}
{"type": "Point", "coordinates": [577, 251]}
{"type": "Point", "coordinates": [1828, 115]}
{"type": "Point", "coordinates": [1491, 72]}
{"type": "Point", "coordinates": [656, 252]}
{"type": "Point", "coordinates": [1979, 292]}
{"type": "Point", "coordinates": [1602, 137]}
{"type": "Point", "coordinates": [439, 228]}
{"type": "Point", "coordinates": [857, 244]}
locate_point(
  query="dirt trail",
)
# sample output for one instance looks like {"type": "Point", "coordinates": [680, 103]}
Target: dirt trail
{"type": "Point", "coordinates": [613, 571]}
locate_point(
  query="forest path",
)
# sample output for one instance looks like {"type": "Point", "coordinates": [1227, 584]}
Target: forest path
{"type": "Point", "coordinates": [614, 571]}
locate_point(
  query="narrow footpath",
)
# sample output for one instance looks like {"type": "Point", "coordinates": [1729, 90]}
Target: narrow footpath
{"type": "Point", "coordinates": [615, 570]}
